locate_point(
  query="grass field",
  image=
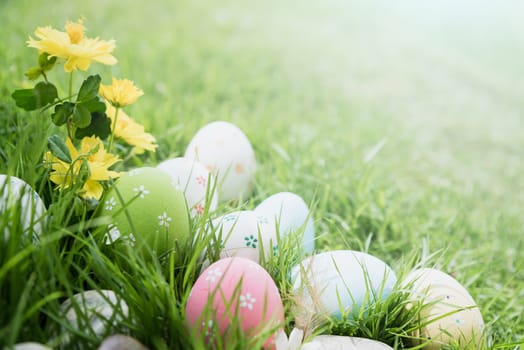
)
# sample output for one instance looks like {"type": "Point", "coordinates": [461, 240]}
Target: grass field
{"type": "Point", "coordinates": [401, 124]}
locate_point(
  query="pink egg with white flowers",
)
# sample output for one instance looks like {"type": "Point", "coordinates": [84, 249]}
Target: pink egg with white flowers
{"type": "Point", "coordinates": [235, 292]}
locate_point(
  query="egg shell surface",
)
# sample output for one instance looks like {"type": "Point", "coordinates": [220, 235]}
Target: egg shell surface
{"type": "Point", "coordinates": [346, 275]}
{"type": "Point", "coordinates": [30, 215]}
{"type": "Point", "coordinates": [226, 152]}
{"type": "Point", "coordinates": [191, 177]}
{"type": "Point", "coordinates": [103, 308]}
{"type": "Point", "coordinates": [449, 316]}
{"type": "Point", "coordinates": [290, 213]}
{"type": "Point", "coordinates": [242, 234]}
{"type": "Point", "coordinates": [336, 342]}
{"type": "Point", "coordinates": [146, 210]}
{"type": "Point", "coordinates": [235, 289]}
{"type": "Point", "coordinates": [31, 346]}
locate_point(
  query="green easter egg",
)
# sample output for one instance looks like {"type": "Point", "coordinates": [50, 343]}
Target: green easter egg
{"type": "Point", "coordinates": [146, 210]}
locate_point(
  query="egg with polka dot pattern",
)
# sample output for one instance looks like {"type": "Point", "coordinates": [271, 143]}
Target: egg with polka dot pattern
{"type": "Point", "coordinates": [449, 315]}
{"type": "Point", "coordinates": [242, 234]}
{"type": "Point", "coordinates": [225, 151]}
{"type": "Point", "coordinates": [20, 208]}
{"type": "Point", "coordinates": [146, 211]}
{"type": "Point", "coordinates": [342, 281]}
{"type": "Point", "coordinates": [289, 213]}
{"type": "Point", "coordinates": [235, 292]}
{"type": "Point", "coordinates": [194, 180]}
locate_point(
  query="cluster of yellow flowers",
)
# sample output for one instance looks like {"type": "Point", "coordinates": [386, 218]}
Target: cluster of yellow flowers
{"type": "Point", "coordinates": [78, 52]}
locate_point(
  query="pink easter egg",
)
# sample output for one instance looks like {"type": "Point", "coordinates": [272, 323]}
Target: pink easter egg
{"type": "Point", "coordinates": [235, 289]}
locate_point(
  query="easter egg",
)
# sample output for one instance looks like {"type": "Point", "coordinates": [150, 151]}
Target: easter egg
{"type": "Point", "coordinates": [344, 279]}
{"type": "Point", "coordinates": [20, 207]}
{"type": "Point", "coordinates": [225, 151]}
{"type": "Point", "coordinates": [100, 311]}
{"type": "Point", "coordinates": [241, 234]}
{"type": "Point", "coordinates": [146, 210]}
{"type": "Point", "coordinates": [334, 342]}
{"type": "Point", "coordinates": [121, 342]}
{"type": "Point", "coordinates": [235, 290]}
{"type": "Point", "coordinates": [449, 315]}
{"type": "Point", "coordinates": [191, 177]}
{"type": "Point", "coordinates": [290, 213]}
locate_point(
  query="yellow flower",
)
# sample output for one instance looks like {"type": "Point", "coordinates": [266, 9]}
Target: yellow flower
{"type": "Point", "coordinates": [121, 92]}
{"type": "Point", "coordinates": [73, 46]}
{"type": "Point", "coordinates": [131, 132]}
{"type": "Point", "coordinates": [91, 155]}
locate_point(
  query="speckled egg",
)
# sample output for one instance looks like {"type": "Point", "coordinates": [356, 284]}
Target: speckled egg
{"type": "Point", "coordinates": [449, 316]}
{"type": "Point", "coordinates": [344, 279]}
{"type": "Point", "coordinates": [225, 151]}
{"type": "Point", "coordinates": [147, 211]}
{"type": "Point", "coordinates": [30, 214]}
{"type": "Point", "coordinates": [191, 177]}
{"type": "Point", "coordinates": [235, 289]}
{"type": "Point", "coordinates": [103, 309]}
{"type": "Point", "coordinates": [290, 212]}
{"type": "Point", "coordinates": [242, 234]}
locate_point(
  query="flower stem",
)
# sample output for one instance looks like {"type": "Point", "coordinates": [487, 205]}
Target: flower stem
{"type": "Point", "coordinates": [113, 130]}
{"type": "Point", "coordinates": [69, 124]}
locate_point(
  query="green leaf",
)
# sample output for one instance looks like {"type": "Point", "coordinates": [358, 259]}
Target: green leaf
{"type": "Point", "coordinates": [59, 148]}
{"type": "Point", "coordinates": [81, 116]}
{"type": "Point", "coordinates": [100, 126]}
{"type": "Point", "coordinates": [62, 112]}
{"type": "Point", "coordinates": [33, 73]}
{"type": "Point", "coordinates": [89, 88]}
{"type": "Point", "coordinates": [45, 93]}
{"type": "Point", "coordinates": [25, 98]}
{"type": "Point", "coordinates": [95, 105]}
{"type": "Point", "coordinates": [45, 62]}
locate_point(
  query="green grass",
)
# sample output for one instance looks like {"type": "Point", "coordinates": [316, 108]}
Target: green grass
{"type": "Point", "coordinates": [401, 125]}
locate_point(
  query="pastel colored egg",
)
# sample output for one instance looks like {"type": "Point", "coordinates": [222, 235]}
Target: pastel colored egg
{"type": "Point", "coordinates": [121, 342]}
{"type": "Point", "coordinates": [30, 346]}
{"type": "Point", "coordinates": [334, 342]}
{"type": "Point", "coordinates": [100, 311]}
{"type": "Point", "coordinates": [289, 213]}
{"type": "Point", "coordinates": [235, 289]}
{"type": "Point", "coordinates": [191, 177]}
{"type": "Point", "coordinates": [147, 211]}
{"type": "Point", "coordinates": [20, 207]}
{"type": "Point", "coordinates": [241, 234]}
{"type": "Point", "coordinates": [449, 315]}
{"type": "Point", "coordinates": [342, 280]}
{"type": "Point", "coordinates": [225, 151]}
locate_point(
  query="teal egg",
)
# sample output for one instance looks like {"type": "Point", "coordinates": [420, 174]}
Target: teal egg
{"type": "Point", "coordinates": [147, 211]}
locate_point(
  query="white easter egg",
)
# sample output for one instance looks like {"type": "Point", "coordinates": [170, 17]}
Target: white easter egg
{"type": "Point", "coordinates": [449, 315]}
{"type": "Point", "coordinates": [100, 311]}
{"type": "Point", "coordinates": [290, 213]}
{"type": "Point", "coordinates": [336, 342]}
{"type": "Point", "coordinates": [191, 177]}
{"type": "Point", "coordinates": [225, 151]}
{"type": "Point", "coordinates": [344, 279]}
{"type": "Point", "coordinates": [31, 346]}
{"type": "Point", "coordinates": [29, 216]}
{"type": "Point", "coordinates": [121, 342]}
{"type": "Point", "coordinates": [240, 234]}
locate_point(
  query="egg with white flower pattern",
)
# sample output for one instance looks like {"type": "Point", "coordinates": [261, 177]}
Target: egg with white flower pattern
{"type": "Point", "coordinates": [342, 281]}
{"type": "Point", "coordinates": [235, 292]}
{"type": "Point", "coordinates": [192, 178]}
{"type": "Point", "coordinates": [147, 211]}
{"type": "Point", "coordinates": [243, 234]}
{"type": "Point", "coordinates": [100, 311]}
{"type": "Point", "coordinates": [20, 208]}
{"type": "Point", "coordinates": [226, 152]}
{"type": "Point", "coordinates": [449, 315]}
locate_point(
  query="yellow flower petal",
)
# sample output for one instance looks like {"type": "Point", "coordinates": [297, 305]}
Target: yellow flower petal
{"type": "Point", "coordinates": [121, 92]}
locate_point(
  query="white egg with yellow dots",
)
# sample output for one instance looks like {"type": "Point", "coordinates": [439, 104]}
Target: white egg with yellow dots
{"type": "Point", "coordinates": [226, 152]}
